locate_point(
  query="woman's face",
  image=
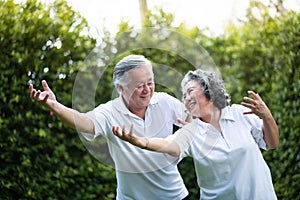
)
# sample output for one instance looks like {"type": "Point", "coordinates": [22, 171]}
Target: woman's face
{"type": "Point", "coordinates": [195, 101]}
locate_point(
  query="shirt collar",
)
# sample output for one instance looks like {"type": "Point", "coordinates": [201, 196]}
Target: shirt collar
{"type": "Point", "coordinates": [226, 114]}
{"type": "Point", "coordinates": [202, 125]}
{"type": "Point", "coordinates": [120, 105]}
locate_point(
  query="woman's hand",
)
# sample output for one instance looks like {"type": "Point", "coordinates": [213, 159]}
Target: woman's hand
{"type": "Point", "coordinates": [130, 137]}
{"type": "Point", "coordinates": [153, 144]}
{"type": "Point", "coordinates": [257, 105]}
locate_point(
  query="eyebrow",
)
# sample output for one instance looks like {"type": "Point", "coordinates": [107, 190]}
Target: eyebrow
{"type": "Point", "coordinates": [149, 80]}
{"type": "Point", "coordinates": [189, 89]}
{"type": "Point", "coordinates": [193, 87]}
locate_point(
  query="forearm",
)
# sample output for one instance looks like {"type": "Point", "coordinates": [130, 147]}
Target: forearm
{"type": "Point", "coordinates": [73, 118]}
{"type": "Point", "coordinates": [160, 145]}
{"type": "Point", "coordinates": [271, 133]}
{"type": "Point", "coordinates": [163, 145]}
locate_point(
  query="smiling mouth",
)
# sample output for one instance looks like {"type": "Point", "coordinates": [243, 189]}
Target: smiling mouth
{"type": "Point", "coordinates": [191, 105]}
{"type": "Point", "coordinates": [144, 97]}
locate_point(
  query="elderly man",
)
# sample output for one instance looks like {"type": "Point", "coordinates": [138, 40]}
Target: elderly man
{"type": "Point", "coordinates": [140, 174]}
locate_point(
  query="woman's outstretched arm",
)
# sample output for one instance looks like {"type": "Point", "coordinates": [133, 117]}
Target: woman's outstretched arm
{"type": "Point", "coordinates": [162, 145]}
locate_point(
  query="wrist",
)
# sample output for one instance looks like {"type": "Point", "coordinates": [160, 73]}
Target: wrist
{"type": "Point", "coordinates": [146, 144]}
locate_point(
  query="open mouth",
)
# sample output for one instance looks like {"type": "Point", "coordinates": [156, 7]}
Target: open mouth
{"type": "Point", "coordinates": [144, 97]}
{"type": "Point", "coordinates": [191, 105]}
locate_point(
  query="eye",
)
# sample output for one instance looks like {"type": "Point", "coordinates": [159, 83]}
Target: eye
{"type": "Point", "coordinates": [190, 91]}
{"type": "Point", "coordinates": [150, 84]}
{"type": "Point", "coordinates": [139, 86]}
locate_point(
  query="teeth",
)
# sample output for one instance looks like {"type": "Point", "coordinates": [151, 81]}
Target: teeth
{"type": "Point", "coordinates": [191, 105]}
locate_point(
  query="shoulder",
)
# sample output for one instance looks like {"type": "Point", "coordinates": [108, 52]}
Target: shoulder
{"type": "Point", "coordinates": [191, 127]}
{"type": "Point", "coordinates": [108, 106]}
{"type": "Point", "coordinates": [188, 130]}
{"type": "Point", "coordinates": [236, 109]}
{"type": "Point", "coordinates": [163, 97]}
{"type": "Point", "coordinates": [186, 135]}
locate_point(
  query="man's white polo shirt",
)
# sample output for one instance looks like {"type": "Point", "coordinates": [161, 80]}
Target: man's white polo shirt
{"type": "Point", "coordinates": [141, 174]}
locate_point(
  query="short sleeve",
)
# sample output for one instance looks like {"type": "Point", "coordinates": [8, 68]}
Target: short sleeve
{"type": "Point", "coordinates": [99, 117]}
{"type": "Point", "coordinates": [256, 129]}
{"type": "Point", "coordinates": [89, 136]}
{"type": "Point", "coordinates": [184, 138]}
{"type": "Point", "coordinates": [176, 106]}
{"type": "Point", "coordinates": [258, 137]}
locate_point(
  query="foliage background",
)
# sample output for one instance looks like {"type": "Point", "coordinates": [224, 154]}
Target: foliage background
{"type": "Point", "coordinates": [41, 158]}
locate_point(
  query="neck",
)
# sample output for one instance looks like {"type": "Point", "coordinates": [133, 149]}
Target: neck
{"type": "Point", "coordinates": [213, 118]}
{"type": "Point", "coordinates": [139, 112]}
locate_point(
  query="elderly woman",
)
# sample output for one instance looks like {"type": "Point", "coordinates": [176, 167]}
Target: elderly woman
{"type": "Point", "coordinates": [223, 140]}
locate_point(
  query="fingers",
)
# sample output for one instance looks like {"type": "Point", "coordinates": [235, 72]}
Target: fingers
{"type": "Point", "coordinates": [36, 95]}
{"type": "Point", "coordinates": [254, 95]}
{"type": "Point", "coordinates": [131, 129]}
{"type": "Point", "coordinates": [39, 96]}
{"type": "Point", "coordinates": [31, 90]}
{"type": "Point", "coordinates": [123, 130]}
{"type": "Point", "coordinates": [115, 130]}
{"type": "Point", "coordinates": [45, 98]}
{"type": "Point", "coordinates": [45, 85]}
{"type": "Point", "coordinates": [247, 113]}
{"type": "Point", "coordinates": [182, 122]}
{"type": "Point", "coordinates": [252, 102]}
{"type": "Point", "coordinates": [123, 134]}
{"type": "Point", "coordinates": [30, 87]}
{"type": "Point", "coordinates": [255, 104]}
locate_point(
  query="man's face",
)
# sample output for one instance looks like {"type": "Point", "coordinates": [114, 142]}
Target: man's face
{"type": "Point", "coordinates": [140, 89]}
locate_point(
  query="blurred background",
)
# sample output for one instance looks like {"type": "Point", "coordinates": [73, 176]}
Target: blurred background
{"type": "Point", "coordinates": [255, 45]}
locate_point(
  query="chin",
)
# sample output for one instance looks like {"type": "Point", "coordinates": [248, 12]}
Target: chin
{"type": "Point", "coordinates": [194, 114]}
{"type": "Point", "coordinates": [145, 103]}
{"type": "Point", "coordinates": [146, 100]}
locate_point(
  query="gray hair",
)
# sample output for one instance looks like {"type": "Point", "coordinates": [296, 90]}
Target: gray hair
{"type": "Point", "coordinates": [126, 64]}
{"type": "Point", "coordinates": [212, 86]}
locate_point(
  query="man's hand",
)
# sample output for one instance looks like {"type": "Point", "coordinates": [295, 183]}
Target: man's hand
{"type": "Point", "coordinates": [46, 97]}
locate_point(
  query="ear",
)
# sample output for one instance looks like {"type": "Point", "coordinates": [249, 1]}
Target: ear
{"type": "Point", "coordinates": [120, 88]}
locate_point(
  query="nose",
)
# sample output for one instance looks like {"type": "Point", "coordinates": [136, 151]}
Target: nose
{"type": "Point", "coordinates": [186, 98]}
{"type": "Point", "coordinates": [146, 88]}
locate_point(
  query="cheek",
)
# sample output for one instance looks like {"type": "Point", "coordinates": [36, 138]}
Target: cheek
{"type": "Point", "coordinates": [127, 94]}
{"type": "Point", "coordinates": [152, 88]}
{"type": "Point", "coordinates": [135, 94]}
{"type": "Point", "coordinates": [185, 104]}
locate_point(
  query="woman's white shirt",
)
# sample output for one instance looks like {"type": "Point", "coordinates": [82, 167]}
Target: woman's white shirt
{"type": "Point", "coordinates": [229, 165]}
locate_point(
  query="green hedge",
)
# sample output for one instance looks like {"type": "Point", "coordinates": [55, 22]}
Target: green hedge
{"type": "Point", "coordinates": [41, 158]}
